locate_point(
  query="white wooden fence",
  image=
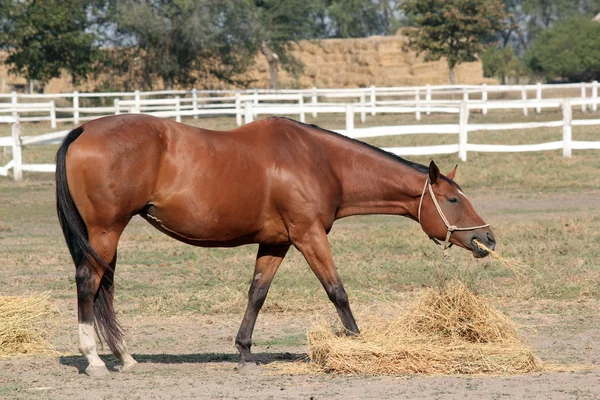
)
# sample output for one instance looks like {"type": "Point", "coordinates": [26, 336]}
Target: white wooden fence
{"type": "Point", "coordinates": [230, 102]}
{"type": "Point", "coordinates": [251, 109]}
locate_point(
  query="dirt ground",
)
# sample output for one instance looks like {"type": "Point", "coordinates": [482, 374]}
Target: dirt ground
{"type": "Point", "coordinates": [193, 356]}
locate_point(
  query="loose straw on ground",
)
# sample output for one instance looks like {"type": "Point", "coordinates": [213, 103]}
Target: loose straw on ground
{"type": "Point", "coordinates": [20, 320]}
{"type": "Point", "coordinates": [447, 331]}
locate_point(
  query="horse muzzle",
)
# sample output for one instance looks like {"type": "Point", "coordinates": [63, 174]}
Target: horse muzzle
{"type": "Point", "coordinates": [486, 239]}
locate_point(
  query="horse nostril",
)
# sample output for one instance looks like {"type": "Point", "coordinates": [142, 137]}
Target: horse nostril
{"type": "Point", "coordinates": [489, 237]}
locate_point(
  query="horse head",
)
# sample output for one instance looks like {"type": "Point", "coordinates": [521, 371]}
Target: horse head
{"type": "Point", "coordinates": [446, 214]}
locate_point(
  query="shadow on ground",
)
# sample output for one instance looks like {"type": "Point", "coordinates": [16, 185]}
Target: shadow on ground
{"type": "Point", "coordinates": [80, 362]}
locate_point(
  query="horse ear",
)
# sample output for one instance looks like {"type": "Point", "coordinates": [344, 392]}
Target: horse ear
{"type": "Point", "coordinates": [452, 173]}
{"type": "Point", "coordinates": [434, 173]}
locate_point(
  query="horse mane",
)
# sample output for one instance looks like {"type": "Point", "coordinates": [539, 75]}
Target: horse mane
{"type": "Point", "coordinates": [416, 166]}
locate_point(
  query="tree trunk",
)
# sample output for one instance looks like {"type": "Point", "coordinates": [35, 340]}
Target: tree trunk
{"type": "Point", "coordinates": [273, 60]}
{"type": "Point", "coordinates": [452, 75]}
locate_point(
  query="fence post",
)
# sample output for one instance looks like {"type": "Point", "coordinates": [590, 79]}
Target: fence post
{"type": "Point", "coordinates": [524, 97]}
{"type": "Point", "coordinates": [255, 100]}
{"type": "Point", "coordinates": [363, 112]}
{"type": "Point", "coordinates": [116, 105]}
{"type": "Point", "coordinates": [195, 102]}
{"type": "Point", "coordinates": [17, 154]}
{"type": "Point", "coordinates": [538, 96]}
{"type": "Point", "coordinates": [567, 132]}
{"type": "Point", "coordinates": [417, 101]}
{"type": "Point", "coordinates": [177, 109]}
{"type": "Point", "coordinates": [583, 106]}
{"type": "Point", "coordinates": [484, 97]}
{"type": "Point", "coordinates": [428, 99]}
{"type": "Point", "coordinates": [595, 95]}
{"type": "Point", "coordinates": [463, 122]}
{"type": "Point", "coordinates": [238, 109]}
{"type": "Point", "coordinates": [465, 95]}
{"type": "Point", "coordinates": [137, 107]}
{"type": "Point", "coordinates": [52, 115]}
{"type": "Point", "coordinates": [248, 114]}
{"type": "Point", "coordinates": [314, 101]}
{"type": "Point", "coordinates": [13, 100]}
{"type": "Point", "coordinates": [75, 107]}
{"type": "Point", "coordinates": [301, 105]}
{"type": "Point", "coordinates": [373, 100]}
{"type": "Point", "coordinates": [349, 119]}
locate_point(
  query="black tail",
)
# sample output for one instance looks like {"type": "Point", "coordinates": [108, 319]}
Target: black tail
{"type": "Point", "coordinates": [75, 232]}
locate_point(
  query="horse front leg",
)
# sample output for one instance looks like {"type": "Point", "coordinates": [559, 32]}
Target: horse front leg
{"type": "Point", "coordinates": [268, 260]}
{"type": "Point", "coordinates": [314, 246]}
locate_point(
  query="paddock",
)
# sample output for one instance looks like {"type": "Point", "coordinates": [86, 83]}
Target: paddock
{"type": "Point", "coordinates": [181, 305]}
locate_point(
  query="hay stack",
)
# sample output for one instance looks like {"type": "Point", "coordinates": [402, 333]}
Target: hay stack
{"type": "Point", "coordinates": [447, 331]}
{"type": "Point", "coordinates": [20, 319]}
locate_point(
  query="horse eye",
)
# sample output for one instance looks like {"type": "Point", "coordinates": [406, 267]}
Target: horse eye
{"type": "Point", "coordinates": [453, 200]}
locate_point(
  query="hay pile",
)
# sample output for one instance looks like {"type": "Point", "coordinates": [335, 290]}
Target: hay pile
{"type": "Point", "coordinates": [20, 320]}
{"type": "Point", "coordinates": [448, 331]}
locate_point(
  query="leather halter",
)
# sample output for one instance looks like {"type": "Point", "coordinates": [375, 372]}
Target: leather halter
{"type": "Point", "coordinates": [450, 228]}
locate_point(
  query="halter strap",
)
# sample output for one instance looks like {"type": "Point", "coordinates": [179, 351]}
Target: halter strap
{"type": "Point", "coordinates": [450, 228]}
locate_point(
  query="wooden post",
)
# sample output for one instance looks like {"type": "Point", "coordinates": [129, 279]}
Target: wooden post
{"type": "Point", "coordinates": [75, 107]}
{"type": "Point", "coordinates": [195, 102]}
{"type": "Point", "coordinates": [567, 132]}
{"type": "Point", "coordinates": [417, 107]}
{"type": "Point", "coordinates": [583, 106]}
{"type": "Point", "coordinates": [13, 100]}
{"type": "Point", "coordinates": [238, 109]}
{"type": "Point", "coordinates": [538, 96]}
{"type": "Point", "coordinates": [349, 119]}
{"type": "Point", "coordinates": [248, 114]}
{"type": "Point", "coordinates": [363, 111]}
{"type": "Point", "coordinates": [428, 99]}
{"type": "Point", "coordinates": [595, 95]}
{"type": "Point", "coordinates": [373, 100]}
{"type": "Point", "coordinates": [137, 107]}
{"type": "Point", "coordinates": [301, 105]}
{"type": "Point", "coordinates": [463, 122]}
{"type": "Point", "coordinates": [484, 97]}
{"type": "Point", "coordinates": [52, 115]}
{"type": "Point", "coordinates": [177, 109]}
{"type": "Point", "coordinates": [314, 101]}
{"type": "Point", "coordinates": [524, 97]}
{"type": "Point", "coordinates": [17, 154]}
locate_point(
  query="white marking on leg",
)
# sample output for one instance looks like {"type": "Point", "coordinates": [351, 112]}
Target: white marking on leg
{"type": "Point", "coordinates": [127, 361]}
{"type": "Point", "coordinates": [87, 345]}
{"type": "Point", "coordinates": [257, 276]}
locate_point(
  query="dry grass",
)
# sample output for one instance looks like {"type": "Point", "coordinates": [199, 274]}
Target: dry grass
{"type": "Point", "coordinates": [21, 319]}
{"type": "Point", "coordinates": [451, 330]}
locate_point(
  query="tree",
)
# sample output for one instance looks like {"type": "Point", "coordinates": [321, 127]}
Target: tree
{"type": "Point", "coordinates": [45, 37]}
{"type": "Point", "coordinates": [569, 51]}
{"type": "Point", "coordinates": [359, 18]}
{"type": "Point", "coordinates": [180, 41]}
{"type": "Point", "coordinates": [454, 29]}
{"type": "Point", "coordinates": [501, 63]}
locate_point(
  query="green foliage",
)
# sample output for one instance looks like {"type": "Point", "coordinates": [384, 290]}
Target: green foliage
{"type": "Point", "coordinates": [454, 29]}
{"type": "Point", "coordinates": [569, 51]}
{"type": "Point", "coordinates": [501, 63]}
{"type": "Point", "coordinates": [359, 18]}
{"type": "Point", "coordinates": [43, 38]}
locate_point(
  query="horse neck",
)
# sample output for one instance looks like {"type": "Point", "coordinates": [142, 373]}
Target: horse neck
{"type": "Point", "coordinates": [373, 183]}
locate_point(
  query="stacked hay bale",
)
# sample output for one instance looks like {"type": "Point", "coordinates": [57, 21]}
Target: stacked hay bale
{"type": "Point", "coordinates": [447, 331]}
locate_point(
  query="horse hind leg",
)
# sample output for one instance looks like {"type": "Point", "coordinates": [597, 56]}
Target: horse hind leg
{"type": "Point", "coordinates": [95, 290]}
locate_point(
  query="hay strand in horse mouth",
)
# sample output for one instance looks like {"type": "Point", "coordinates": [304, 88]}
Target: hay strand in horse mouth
{"type": "Point", "coordinates": [518, 268]}
{"type": "Point", "coordinates": [20, 319]}
{"type": "Point", "coordinates": [448, 331]}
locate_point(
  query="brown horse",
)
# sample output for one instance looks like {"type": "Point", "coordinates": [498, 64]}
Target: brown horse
{"type": "Point", "coordinates": [275, 182]}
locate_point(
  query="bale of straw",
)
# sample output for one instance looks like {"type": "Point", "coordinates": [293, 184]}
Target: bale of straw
{"type": "Point", "coordinates": [447, 331]}
{"type": "Point", "coordinates": [21, 318]}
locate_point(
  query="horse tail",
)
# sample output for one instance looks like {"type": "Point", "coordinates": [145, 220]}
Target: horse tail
{"type": "Point", "coordinates": [105, 321]}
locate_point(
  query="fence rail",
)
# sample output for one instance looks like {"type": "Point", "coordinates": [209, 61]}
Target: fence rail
{"type": "Point", "coordinates": [293, 104]}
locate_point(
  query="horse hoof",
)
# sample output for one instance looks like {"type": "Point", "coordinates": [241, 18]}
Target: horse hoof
{"type": "Point", "coordinates": [248, 368]}
{"type": "Point", "coordinates": [128, 366]}
{"type": "Point", "coordinates": [96, 371]}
